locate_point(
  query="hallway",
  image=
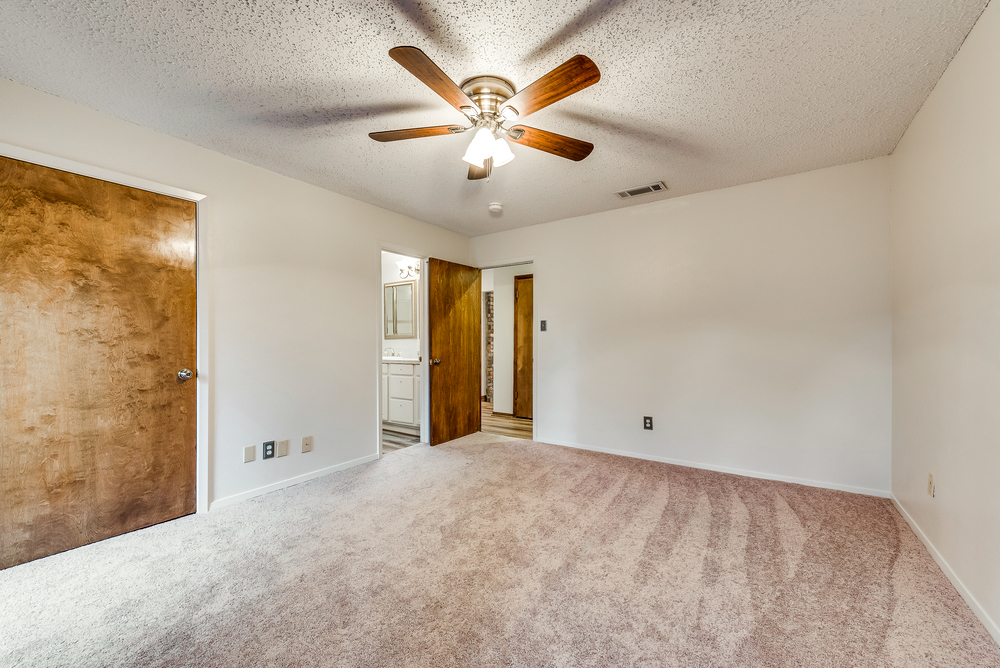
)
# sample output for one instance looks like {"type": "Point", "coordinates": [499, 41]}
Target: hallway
{"type": "Point", "coordinates": [504, 425]}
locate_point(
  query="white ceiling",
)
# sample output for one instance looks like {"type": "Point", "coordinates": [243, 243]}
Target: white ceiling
{"type": "Point", "coordinates": [700, 94]}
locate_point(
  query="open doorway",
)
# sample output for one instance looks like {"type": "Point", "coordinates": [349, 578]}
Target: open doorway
{"type": "Point", "coordinates": [508, 357]}
{"type": "Point", "coordinates": [400, 378]}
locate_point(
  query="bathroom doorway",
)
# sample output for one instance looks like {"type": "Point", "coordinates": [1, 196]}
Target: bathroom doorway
{"type": "Point", "coordinates": [508, 350]}
{"type": "Point", "coordinates": [400, 387]}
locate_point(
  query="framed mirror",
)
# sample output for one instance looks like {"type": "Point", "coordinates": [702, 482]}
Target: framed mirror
{"type": "Point", "coordinates": [400, 307]}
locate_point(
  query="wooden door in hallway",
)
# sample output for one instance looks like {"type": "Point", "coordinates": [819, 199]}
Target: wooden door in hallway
{"type": "Point", "coordinates": [97, 317]}
{"type": "Point", "coordinates": [524, 298]}
{"type": "Point", "coordinates": [455, 354]}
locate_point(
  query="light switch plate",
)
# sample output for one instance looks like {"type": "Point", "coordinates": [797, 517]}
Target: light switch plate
{"type": "Point", "coordinates": [283, 448]}
{"type": "Point", "coordinates": [307, 443]}
{"type": "Point", "coordinates": [249, 453]}
{"type": "Point", "coordinates": [544, 325]}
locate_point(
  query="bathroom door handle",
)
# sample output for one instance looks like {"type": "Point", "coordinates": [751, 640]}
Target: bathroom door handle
{"type": "Point", "coordinates": [185, 374]}
{"type": "Point", "coordinates": [435, 361]}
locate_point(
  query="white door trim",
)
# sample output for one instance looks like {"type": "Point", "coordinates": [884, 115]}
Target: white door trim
{"type": "Point", "coordinates": [422, 334]}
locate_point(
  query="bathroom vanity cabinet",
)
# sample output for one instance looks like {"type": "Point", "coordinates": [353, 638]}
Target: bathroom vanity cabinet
{"type": "Point", "coordinates": [401, 392]}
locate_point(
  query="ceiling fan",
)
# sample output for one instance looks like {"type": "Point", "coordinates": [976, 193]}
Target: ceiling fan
{"type": "Point", "coordinates": [492, 106]}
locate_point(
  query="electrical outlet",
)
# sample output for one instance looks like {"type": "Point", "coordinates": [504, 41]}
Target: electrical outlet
{"type": "Point", "coordinates": [249, 453]}
{"type": "Point", "coordinates": [930, 485]}
{"type": "Point", "coordinates": [307, 443]}
{"type": "Point", "coordinates": [647, 422]}
{"type": "Point", "coordinates": [282, 448]}
{"type": "Point", "coordinates": [268, 449]}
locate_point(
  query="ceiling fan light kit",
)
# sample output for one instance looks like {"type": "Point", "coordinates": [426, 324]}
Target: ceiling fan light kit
{"type": "Point", "coordinates": [491, 102]}
{"type": "Point", "coordinates": [480, 148]}
{"type": "Point", "coordinates": [501, 152]}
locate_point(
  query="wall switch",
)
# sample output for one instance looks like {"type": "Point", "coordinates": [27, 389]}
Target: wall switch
{"type": "Point", "coordinates": [647, 422]}
{"type": "Point", "coordinates": [282, 448]}
{"type": "Point", "coordinates": [307, 443]}
{"type": "Point", "coordinates": [268, 449]}
{"type": "Point", "coordinates": [543, 325]}
{"type": "Point", "coordinates": [930, 484]}
{"type": "Point", "coordinates": [249, 453]}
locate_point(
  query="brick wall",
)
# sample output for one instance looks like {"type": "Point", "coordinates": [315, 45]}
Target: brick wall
{"type": "Point", "coordinates": [489, 347]}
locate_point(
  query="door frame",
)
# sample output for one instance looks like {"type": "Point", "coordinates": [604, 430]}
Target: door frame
{"type": "Point", "coordinates": [203, 367]}
{"type": "Point", "coordinates": [422, 333]}
{"type": "Point", "coordinates": [532, 260]}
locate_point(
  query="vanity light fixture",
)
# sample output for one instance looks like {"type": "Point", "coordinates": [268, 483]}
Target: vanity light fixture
{"type": "Point", "coordinates": [407, 269]}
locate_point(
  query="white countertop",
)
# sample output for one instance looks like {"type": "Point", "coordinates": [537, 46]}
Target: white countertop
{"type": "Point", "coordinates": [400, 360]}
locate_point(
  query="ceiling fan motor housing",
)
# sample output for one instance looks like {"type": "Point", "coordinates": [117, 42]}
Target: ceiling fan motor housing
{"type": "Point", "coordinates": [488, 92]}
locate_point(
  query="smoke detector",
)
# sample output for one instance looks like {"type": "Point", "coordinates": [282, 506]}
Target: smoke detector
{"type": "Point", "coordinates": [495, 207]}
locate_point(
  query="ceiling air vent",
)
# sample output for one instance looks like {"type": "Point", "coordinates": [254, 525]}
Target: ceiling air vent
{"type": "Point", "coordinates": [657, 187]}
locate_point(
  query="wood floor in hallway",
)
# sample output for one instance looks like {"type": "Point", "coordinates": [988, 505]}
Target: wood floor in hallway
{"type": "Point", "coordinates": [504, 425]}
{"type": "Point", "coordinates": [393, 440]}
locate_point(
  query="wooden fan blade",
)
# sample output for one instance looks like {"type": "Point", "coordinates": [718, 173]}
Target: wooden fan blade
{"type": "Point", "coordinates": [571, 77]}
{"type": "Point", "coordinates": [414, 133]}
{"type": "Point", "coordinates": [550, 142]}
{"type": "Point", "coordinates": [477, 173]}
{"type": "Point", "coordinates": [422, 67]}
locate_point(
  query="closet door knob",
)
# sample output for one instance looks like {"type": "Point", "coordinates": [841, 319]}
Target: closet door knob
{"type": "Point", "coordinates": [435, 361]}
{"type": "Point", "coordinates": [185, 374]}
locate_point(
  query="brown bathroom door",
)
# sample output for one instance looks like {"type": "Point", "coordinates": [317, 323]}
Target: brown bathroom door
{"type": "Point", "coordinates": [524, 298]}
{"type": "Point", "coordinates": [97, 317]}
{"type": "Point", "coordinates": [454, 293]}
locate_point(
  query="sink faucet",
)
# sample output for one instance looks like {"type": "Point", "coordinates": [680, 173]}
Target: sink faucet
{"type": "Point", "coordinates": [388, 352]}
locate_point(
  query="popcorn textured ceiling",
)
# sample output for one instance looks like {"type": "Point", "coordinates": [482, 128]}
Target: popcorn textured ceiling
{"type": "Point", "coordinates": [699, 94]}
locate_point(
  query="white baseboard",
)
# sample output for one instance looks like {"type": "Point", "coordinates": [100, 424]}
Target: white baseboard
{"type": "Point", "coordinates": [273, 487]}
{"type": "Point", "coordinates": [977, 609]}
{"type": "Point", "coordinates": [726, 469]}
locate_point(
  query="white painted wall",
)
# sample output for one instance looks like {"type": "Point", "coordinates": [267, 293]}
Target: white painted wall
{"type": "Point", "coordinates": [390, 274]}
{"type": "Point", "coordinates": [291, 273]}
{"type": "Point", "coordinates": [503, 335]}
{"type": "Point", "coordinates": [752, 323]}
{"type": "Point", "coordinates": [945, 183]}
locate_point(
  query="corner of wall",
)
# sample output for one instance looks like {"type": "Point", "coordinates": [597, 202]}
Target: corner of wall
{"type": "Point", "coordinates": [977, 609]}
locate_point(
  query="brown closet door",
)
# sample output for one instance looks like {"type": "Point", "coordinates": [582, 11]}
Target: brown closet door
{"type": "Point", "coordinates": [97, 316]}
{"type": "Point", "coordinates": [524, 355]}
{"type": "Point", "coordinates": [454, 292]}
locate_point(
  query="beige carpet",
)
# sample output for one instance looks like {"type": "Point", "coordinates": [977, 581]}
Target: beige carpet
{"type": "Point", "coordinates": [492, 551]}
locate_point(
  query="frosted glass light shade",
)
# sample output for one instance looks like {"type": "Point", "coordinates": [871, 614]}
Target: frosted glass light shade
{"type": "Point", "coordinates": [480, 148]}
{"type": "Point", "coordinates": [501, 153]}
